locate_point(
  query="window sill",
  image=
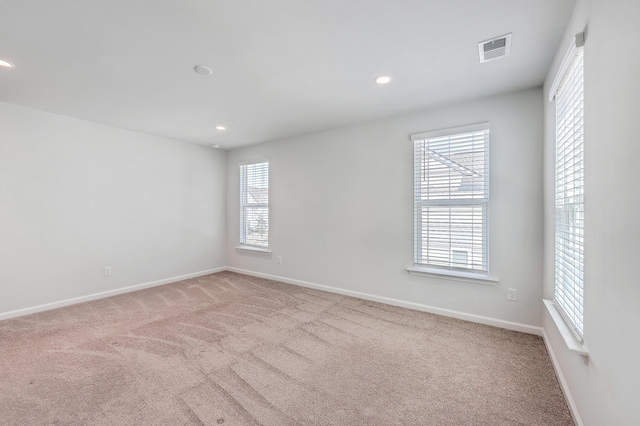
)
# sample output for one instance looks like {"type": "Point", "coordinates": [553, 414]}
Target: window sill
{"type": "Point", "coordinates": [452, 275]}
{"type": "Point", "coordinates": [254, 250]}
{"type": "Point", "coordinates": [569, 338]}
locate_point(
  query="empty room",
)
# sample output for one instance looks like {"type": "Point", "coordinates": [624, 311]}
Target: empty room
{"type": "Point", "coordinates": [347, 212]}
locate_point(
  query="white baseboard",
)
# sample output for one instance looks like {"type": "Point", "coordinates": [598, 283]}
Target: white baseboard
{"type": "Point", "coordinates": [101, 295]}
{"type": "Point", "coordinates": [563, 382]}
{"type": "Point", "coordinates": [525, 328]}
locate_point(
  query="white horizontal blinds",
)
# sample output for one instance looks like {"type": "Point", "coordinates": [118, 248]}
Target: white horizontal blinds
{"type": "Point", "coordinates": [569, 195]}
{"type": "Point", "coordinates": [451, 199]}
{"type": "Point", "coordinates": [254, 204]}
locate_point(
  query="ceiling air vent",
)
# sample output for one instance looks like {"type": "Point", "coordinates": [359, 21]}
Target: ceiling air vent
{"type": "Point", "coordinates": [495, 48]}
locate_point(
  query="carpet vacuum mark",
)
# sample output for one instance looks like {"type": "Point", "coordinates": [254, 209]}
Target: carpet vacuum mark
{"type": "Point", "coordinates": [229, 349]}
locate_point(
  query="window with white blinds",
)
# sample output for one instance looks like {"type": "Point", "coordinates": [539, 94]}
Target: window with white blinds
{"type": "Point", "coordinates": [451, 198]}
{"type": "Point", "coordinates": [569, 194]}
{"type": "Point", "coordinates": [254, 204]}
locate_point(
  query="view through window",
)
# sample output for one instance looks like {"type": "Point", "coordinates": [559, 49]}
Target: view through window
{"type": "Point", "coordinates": [254, 204]}
{"type": "Point", "coordinates": [569, 194]}
{"type": "Point", "coordinates": [451, 189]}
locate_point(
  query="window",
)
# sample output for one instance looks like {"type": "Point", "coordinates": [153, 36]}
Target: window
{"type": "Point", "coordinates": [254, 204]}
{"type": "Point", "coordinates": [460, 258]}
{"type": "Point", "coordinates": [451, 188]}
{"type": "Point", "coordinates": [569, 190]}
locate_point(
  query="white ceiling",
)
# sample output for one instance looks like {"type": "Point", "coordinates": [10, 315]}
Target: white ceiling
{"type": "Point", "coordinates": [282, 68]}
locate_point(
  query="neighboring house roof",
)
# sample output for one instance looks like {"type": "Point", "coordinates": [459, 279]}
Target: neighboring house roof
{"type": "Point", "coordinates": [258, 195]}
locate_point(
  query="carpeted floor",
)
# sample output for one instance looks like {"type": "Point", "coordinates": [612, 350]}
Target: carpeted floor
{"type": "Point", "coordinates": [237, 350]}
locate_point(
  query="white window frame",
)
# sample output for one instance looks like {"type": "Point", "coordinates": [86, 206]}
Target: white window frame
{"type": "Point", "coordinates": [567, 91]}
{"type": "Point", "coordinates": [420, 267]}
{"type": "Point", "coordinates": [246, 243]}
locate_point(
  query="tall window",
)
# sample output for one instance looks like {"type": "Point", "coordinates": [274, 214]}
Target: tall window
{"type": "Point", "coordinates": [254, 204]}
{"type": "Point", "coordinates": [451, 199]}
{"type": "Point", "coordinates": [569, 191]}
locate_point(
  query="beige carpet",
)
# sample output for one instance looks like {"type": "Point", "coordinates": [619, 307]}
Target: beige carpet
{"type": "Point", "coordinates": [236, 350]}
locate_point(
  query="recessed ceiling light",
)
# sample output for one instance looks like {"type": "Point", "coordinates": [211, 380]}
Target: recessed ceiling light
{"type": "Point", "coordinates": [215, 145]}
{"type": "Point", "coordinates": [383, 79]}
{"type": "Point", "coordinates": [203, 70]}
{"type": "Point", "coordinates": [5, 64]}
{"type": "Point", "coordinates": [221, 128]}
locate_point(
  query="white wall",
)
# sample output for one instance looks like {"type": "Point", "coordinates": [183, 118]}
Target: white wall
{"type": "Point", "coordinates": [342, 209]}
{"type": "Point", "coordinates": [77, 196]}
{"type": "Point", "coordinates": [605, 388]}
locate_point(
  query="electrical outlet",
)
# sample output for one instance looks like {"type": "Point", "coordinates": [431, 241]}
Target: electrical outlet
{"type": "Point", "coordinates": [107, 271]}
{"type": "Point", "coordinates": [279, 260]}
{"type": "Point", "coordinates": [512, 294]}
